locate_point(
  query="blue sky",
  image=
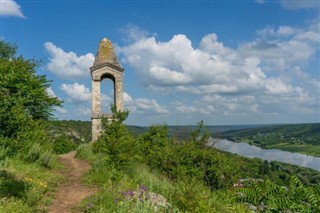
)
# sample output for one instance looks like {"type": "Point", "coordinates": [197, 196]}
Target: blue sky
{"type": "Point", "coordinates": [224, 62]}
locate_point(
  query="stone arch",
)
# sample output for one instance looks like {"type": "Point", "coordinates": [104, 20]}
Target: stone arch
{"type": "Point", "coordinates": [109, 78]}
{"type": "Point", "coordinates": [105, 65]}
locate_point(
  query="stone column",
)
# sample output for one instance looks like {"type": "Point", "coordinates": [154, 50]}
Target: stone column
{"type": "Point", "coordinates": [96, 110]}
{"type": "Point", "coordinates": [119, 93]}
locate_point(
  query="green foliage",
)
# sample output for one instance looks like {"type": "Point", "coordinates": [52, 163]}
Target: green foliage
{"type": "Point", "coordinates": [10, 186]}
{"type": "Point", "coordinates": [35, 153]}
{"type": "Point", "coordinates": [62, 145]}
{"type": "Point", "coordinates": [25, 148]}
{"type": "Point", "coordinates": [14, 205]}
{"type": "Point", "coordinates": [270, 197]}
{"type": "Point", "coordinates": [24, 185]}
{"type": "Point", "coordinates": [116, 142]}
{"type": "Point", "coordinates": [188, 158]}
{"type": "Point", "coordinates": [22, 93]}
{"type": "Point", "coordinates": [192, 176]}
{"type": "Point", "coordinates": [84, 151]}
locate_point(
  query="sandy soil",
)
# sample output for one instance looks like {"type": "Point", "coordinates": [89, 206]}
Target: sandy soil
{"type": "Point", "coordinates": [70, 193]}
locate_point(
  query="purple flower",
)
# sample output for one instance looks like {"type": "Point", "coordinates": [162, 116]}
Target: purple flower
{"type": "Point", "coordinates": [143, 188]}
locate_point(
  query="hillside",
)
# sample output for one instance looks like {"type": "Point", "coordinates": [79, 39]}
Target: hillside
{"type": "Point", "coordinates": [76, 131]}
{"type": "Point", "coordinates": [301, 138]}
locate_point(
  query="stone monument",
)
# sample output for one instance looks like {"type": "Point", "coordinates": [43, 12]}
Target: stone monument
{"type": "Point", "coordinates": [106, 65]}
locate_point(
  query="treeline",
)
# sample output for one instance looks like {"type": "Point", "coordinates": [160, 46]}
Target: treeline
{"type": "Point", "coordinates": [293, 133]}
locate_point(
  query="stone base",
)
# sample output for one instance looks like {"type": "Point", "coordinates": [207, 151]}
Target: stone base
{"type": "Point", "coordinates": [96, 128]}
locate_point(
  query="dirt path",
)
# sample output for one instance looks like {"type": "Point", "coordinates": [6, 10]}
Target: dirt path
{"type": "Point", "coordinates": [72, 191]}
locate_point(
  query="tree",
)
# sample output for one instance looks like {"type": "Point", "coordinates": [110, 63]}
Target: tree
{"type": "Point", "coordinates": [23, 95]}
{"type": "Point", "coordinates": [116, 143]}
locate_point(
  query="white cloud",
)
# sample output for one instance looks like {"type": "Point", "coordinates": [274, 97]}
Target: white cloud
{"type": "Point", "coordinates": [182, 108]}
{"type": "Point", "coordinates": [283, 47]}
{"type": "Point", "coordinates": [50, 92]}
{"type": "Point", "coordinates": [143, 105]}
{"type": "Point", "coordinates": [60, 110]}
{"type": "Point", "coordinates": [77, 92]}
{"type": "Point", "coordinates": [10, 8]}
{"type": "Point", "coordinates": [83, 111]}
{"type": "Point", "coordinates": [281, 31]}
{"type": "Point", "coordinates": [276, 86]}
{"type": "Point", "coordinates": [67, 65]}
{"type": "Point", "coordinates": [302, 4]}
{"type": "Point", "coordinates": [133, 33]}
{"type": "Point", "coordinates": [259, 77]}
{"type": "Point", "coordinates": [176, 65]}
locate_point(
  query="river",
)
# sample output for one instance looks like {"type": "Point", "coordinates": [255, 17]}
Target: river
{"type": "Point", "coordinates": [247, 150]}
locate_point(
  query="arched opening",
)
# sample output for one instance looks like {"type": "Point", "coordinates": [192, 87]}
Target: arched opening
{"type": "Point", "coordinates": [107, 92]}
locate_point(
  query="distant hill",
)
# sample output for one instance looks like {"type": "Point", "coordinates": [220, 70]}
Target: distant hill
{"type": "Point", "coordinates": [302, 138]}
{"type": "Point", "coordinates": [76, 131]}
{"type": "Point", "coordinates": [80, 131]}
{"type": "Point", "coordinates": [306, 133]}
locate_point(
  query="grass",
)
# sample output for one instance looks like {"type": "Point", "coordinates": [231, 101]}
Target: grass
{"type": "Point", "coordinates": [129, 190]}
{"type": "Point", "coordinates": [26, 187]}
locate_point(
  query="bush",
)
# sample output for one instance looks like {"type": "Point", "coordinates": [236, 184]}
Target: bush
{"type": "Point", "coordinates": [116, 142]}
{"type": "Point", "coordinates": [62, 145]}
{"type": "Point", "coordinates": [188, 158]}
{"type": "Point", "coordinates": [267, 196]}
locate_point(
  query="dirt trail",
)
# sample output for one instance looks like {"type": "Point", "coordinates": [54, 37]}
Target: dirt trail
{"type": "Point", "coordinates": [72, 191]}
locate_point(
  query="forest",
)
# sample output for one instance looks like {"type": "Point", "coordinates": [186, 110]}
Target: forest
{"type": "Point", "coordinates": [148, 171]}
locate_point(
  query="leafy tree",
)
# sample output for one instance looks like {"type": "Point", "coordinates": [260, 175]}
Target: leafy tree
{"type": "Point", "coordinates": [23, 94]}
{"type": "Point", "coordinates": [116, 143]}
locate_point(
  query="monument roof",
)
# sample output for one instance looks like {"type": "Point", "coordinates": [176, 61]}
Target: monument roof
{"type": "Point", "coordinates": [106, 55]}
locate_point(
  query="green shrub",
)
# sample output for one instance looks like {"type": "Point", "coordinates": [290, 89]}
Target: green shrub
{"type": "Point", "coordinates": [267, 196]}
{"type": "Point", "coordinates": [46, 158]}
{"type": "Point", "coordinates": [37, 153]}
{"type": "Point", "coordinates": [116, 142]}
{"type": "Point", "coordinates": [32, 153]}
{"type": "Point", "coordinates": [62, 145]}
{"type": "Point", "coordinates": [189, 158]}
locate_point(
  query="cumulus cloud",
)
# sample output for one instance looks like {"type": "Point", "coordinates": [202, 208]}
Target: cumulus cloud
{"type": "Point", "coordinates": [10, 8]}
{"type": "Point", "coordinates": [68, 65]}
{"type": "Point", "coordinates": [257, 77]}
{"type": "Point", "coordinates": [177, 65]}
{"type": "Point", "coordinates": [76, 92]}
{"type": "Point", "coordinates": [283, 47]}
{"type": "Point", "coordinates": [143, 105]}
